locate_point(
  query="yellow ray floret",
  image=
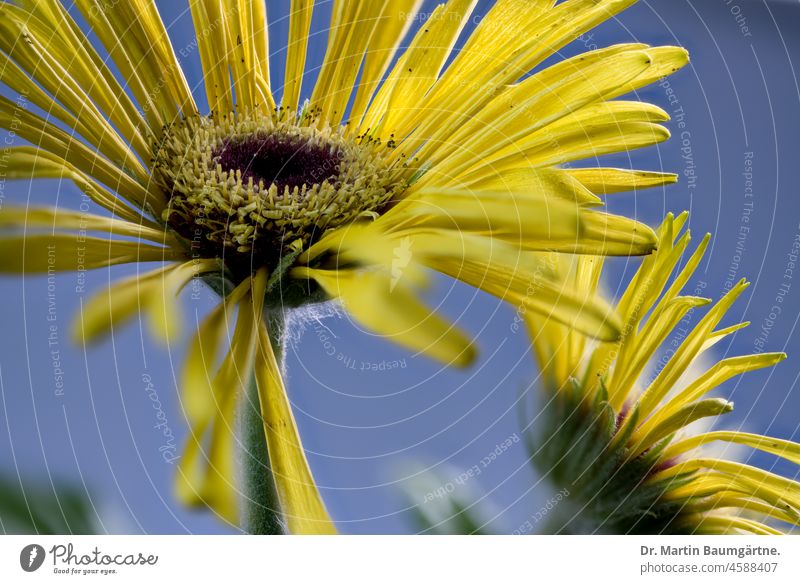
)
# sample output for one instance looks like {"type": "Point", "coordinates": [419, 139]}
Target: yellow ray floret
{"type": "Point", "coordinates": [406, 156]}
{"type": "Point", "coordinates": [623, 443]}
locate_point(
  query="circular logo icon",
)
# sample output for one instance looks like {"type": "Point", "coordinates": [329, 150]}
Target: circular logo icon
{"type": "Point", "coordinates": [31, 557]}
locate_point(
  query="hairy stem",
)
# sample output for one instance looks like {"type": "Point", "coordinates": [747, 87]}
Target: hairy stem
{"type": "Point", "coordinates": [262, 514]}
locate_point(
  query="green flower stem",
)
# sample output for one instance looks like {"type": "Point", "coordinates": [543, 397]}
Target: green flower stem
{"type": "Point", "coordinates": [262, 515]}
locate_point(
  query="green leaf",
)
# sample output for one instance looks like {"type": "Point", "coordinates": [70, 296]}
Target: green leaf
{"type": "Point", "coordinates": [60, 510]}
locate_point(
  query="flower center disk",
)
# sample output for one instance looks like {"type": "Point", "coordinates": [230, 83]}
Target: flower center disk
{"type": "Point", "coordinates": [283, 160]}
{"type": "Point", "coordinates": [251, 189]}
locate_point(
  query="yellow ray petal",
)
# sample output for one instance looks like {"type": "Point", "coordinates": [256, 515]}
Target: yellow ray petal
{"type": "Point", "coordinates": [637, 351]}
{"type": "Point", "coordinates": [160, 55]}
{"type": "Point", "coordinates": [419, 67]}
{"type": "Point", "coordinates": [707, 408]}
{"type": "Point", "coordinates": [635, 303]}
{"type": "Point", "coordinates": [382, 302]}
{"type": "Point", "coordinates": [789, 488]}
{"type": "Point", "coordinates": [50, 218]}
{"type": "Point", "coordinates": [488, 263]}
{"type": "Point", "coordinates": [784, 448]}
{"type": "Point", "coordinates": [709, 483]}
{"type": "Point", "coordinates": [299, 27]}
{"type": "Point", "coordinates": [688, 350]}
{"type": "Point", "coordinates": [605, 181]}
{"type": "Point", "coordinates": [606, 234]}
{"type": "Point", "coordinates": [718, 374]}
{"type": "Point", "coordinates": [115, 305]}
{"type": "Point", "coordinates": [300, 500]}
{"type": "Point", "coordinates": [688, 270]}
{"type": "Point", "coordinates": [206, 472]}
{"type": "Point", "coordinates": [154, 292]}
{"type": "Point", "coordinates": [28, 162]}
{"type": "Point", "coordinates": [732, 500]}
{"type": "Point", "coordinates": [395, 20]}
{"type": "Point", "coordinates": [720, 334]}
{"type": "Point", "coordinates": [526, 179]}
{"type": "Point", "coordinates": [560, 348]}
{"type": "Point", "coordinates": [581, 122]}
{"type": "Point", "coordinates": [49, 137]}
{"type": "Point", "coordinates": [245, 26]}
{"type": "Point", "coordinates": [242, 59]}
{"type": "Point", "coordinates": [163, 311]}
{"type": "Point", "coordinates": [549, 340]}
{"type": "Point", "coordinates": [536, 103]}
{"type": "Point", "coordinates": [648, 283]}
{"type": "Point", "coordinates": [80, 113]}
{"type": "Point", "coordinates": [65, 42]}
{"type": "Point", "coordinates": [646, 290]}
{"type": "Point", "coordinates": [219, 489]}
{"type": "Point", "coordinates": [135, 37]}
{"type": "Point", "coordinates": [260, 31]}
{"type": "Point", "coordinates": [521, 279]}
{"type": "Point", "coordinates": [368, 246]}
{"type": "Point", "coordinates": [513, 38]}
{"type": "Point", "coordinates": [531, 220]}
{"type": "Point", "coordinates": [202, 356]}
{"type": "Point", "coordinates": [726, 523]}
{"type": "Point", "coordinates": [617, 111]}
{"type": "Point", "coordinates": [352, 28]}
{"type": "Point", "coordinates": [198, 398]}
{"type": "Point", "coordinates": [209, 20]}
{"type": "Point", "coordinates": [577, 143]}
{"type": "Point", "coordinates": [664, 61]}
{"type": "Point", "coordinates": [33, 254]}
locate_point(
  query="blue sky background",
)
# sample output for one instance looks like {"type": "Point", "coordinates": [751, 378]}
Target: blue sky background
{"type": "Point", "coordinates": [369, 432]}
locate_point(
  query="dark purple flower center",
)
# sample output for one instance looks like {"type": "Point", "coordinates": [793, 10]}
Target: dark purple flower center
{"type": "Point", "coordinates": [287, 161]}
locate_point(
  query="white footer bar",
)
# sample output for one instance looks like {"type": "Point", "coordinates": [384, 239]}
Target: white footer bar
{"type": "Point", "coordinates": [407, 560]}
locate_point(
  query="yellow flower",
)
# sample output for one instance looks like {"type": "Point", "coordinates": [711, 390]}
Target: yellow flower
{"type": "Point", "coordinates": [398, 163]}
{"type": "Point", "coordinates": [623, 451]}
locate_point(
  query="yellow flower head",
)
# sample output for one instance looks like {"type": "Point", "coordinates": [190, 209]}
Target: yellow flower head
{"type": "Point", "coordinates": [617, 434]}
{"type": "Point", "coordinates": [399, 162]}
